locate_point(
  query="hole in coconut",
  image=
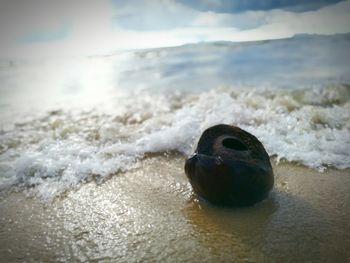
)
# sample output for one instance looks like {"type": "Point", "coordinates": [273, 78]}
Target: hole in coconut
{"type": "Point", "coordinates": [234, 144]}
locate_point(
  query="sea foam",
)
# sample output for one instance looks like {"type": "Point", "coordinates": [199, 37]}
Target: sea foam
{"type": "Point", "coordinates": [71, 120]}
{"type": "Point", "coordinates": [62, 149]}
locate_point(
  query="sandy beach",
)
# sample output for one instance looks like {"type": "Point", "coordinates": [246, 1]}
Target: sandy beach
{"type": "Point", "coordinates": [150, 214]}
{"type": "Point", "coordinates": [101, 102]}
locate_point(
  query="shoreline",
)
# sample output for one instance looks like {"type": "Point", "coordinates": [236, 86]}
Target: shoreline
{"type": "Point", "coordinates": [150, 214]}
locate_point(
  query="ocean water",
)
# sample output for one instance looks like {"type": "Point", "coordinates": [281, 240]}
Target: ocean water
{"type": "Point", "coordinates": [67, 121]}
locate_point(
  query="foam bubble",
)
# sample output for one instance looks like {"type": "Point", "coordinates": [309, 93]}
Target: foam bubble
{"type": "Point", "coordinates": [65, 148]}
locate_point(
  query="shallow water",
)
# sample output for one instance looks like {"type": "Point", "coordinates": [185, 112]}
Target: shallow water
{"type": "Point", "coordinates": [64, 148]}
{"type": "Point", "coordinates": [66, 121]}
{"type": "Point", "coordinates": [150, 214]}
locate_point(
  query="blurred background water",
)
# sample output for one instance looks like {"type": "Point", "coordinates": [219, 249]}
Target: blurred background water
{"type": "Point", "coordinates": [65, 120]}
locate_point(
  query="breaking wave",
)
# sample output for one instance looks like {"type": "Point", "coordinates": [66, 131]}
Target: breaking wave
{"type": "Point", "coordinates": [64, 148]}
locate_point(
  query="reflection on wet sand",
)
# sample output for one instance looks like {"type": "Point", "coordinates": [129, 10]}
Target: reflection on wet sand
{"type": "Point", "coordinates": [272, 229]}
{"type": "Point", "coordinates": [149, 214]}
{"type": "Point", "coordinates": [231, 233]}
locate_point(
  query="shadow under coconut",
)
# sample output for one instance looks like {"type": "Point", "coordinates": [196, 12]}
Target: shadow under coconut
{"type": "Point", "coordinates": [282, 228]}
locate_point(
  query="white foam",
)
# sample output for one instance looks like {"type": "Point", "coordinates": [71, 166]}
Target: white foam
{"type": "Point", "coordinates": [64, 149]}
{"type": "Point", "coordinates": [63, 122]}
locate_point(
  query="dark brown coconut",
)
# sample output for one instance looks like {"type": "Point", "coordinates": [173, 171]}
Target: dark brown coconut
{"type": "Point", "coordinates": [230, 167]}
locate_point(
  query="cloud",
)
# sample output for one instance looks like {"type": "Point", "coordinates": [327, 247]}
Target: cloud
{"type": "Point", "coordinates": [237, 6]}
{"type": "Point", "coordinates": [47, 34]}
{"type": "Point", "coordinates": [158, 15]}
{"type": "Point", "coordinates": [152, 15]}
{"type": "Point", "coordinates": [327, 20]}
{"type": "Point", "coordinates": [65, 28]}
{"type": "Point", "coordinates": [242, 21]}
{"type": "Point", "coordinates": [47, 27]}
{"type": "Point", "coordinates": [24, 17]}
{"type": "Point", "coordinates": [169, 14]}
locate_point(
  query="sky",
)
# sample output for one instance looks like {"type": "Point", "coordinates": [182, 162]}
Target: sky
{"type": "Point", "coordinates": [50, 28]}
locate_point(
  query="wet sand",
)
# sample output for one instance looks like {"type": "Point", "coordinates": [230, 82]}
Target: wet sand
{"type": "Point", "coordinates": [151, 215]}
